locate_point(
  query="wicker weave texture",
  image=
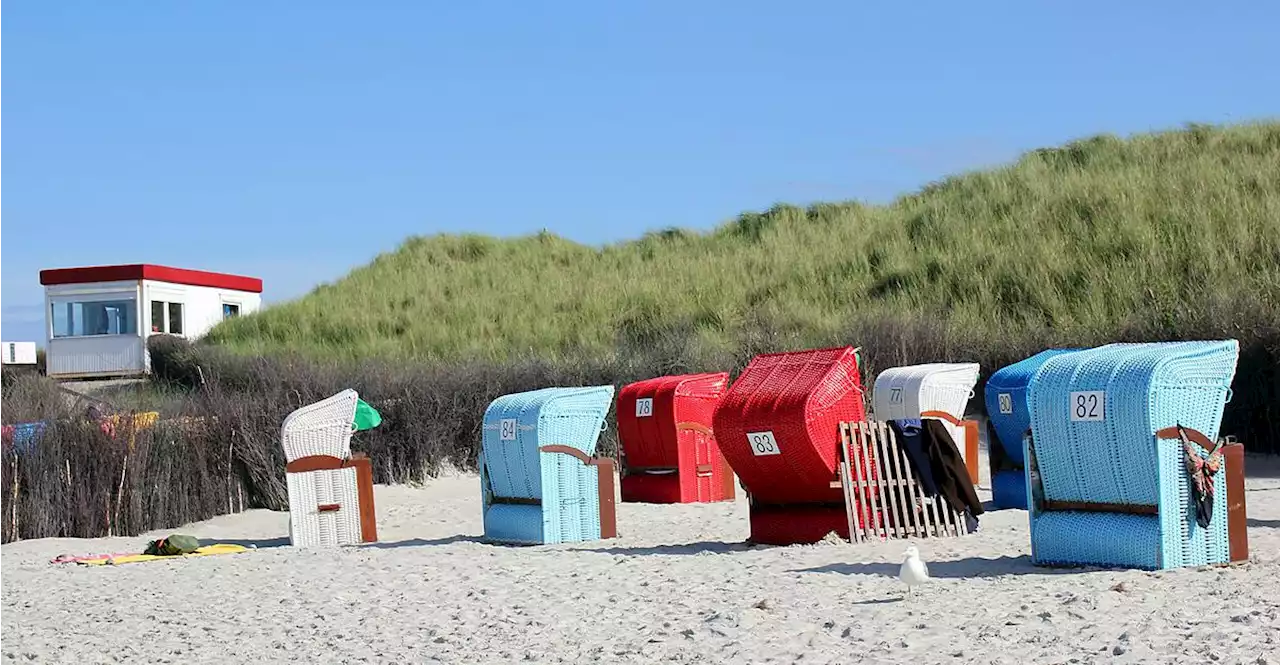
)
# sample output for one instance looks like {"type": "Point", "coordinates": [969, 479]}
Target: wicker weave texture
{"type": "Point", "coordinates": [323, 428]}
{"type": "Point", "coordinates": [797, 525]}
{"type": "Point", "coordinates": [308, 526]}
{"type": "Point", "coordinates": [515, 427]}
{"type": "Point", "coordinates": [908, 391]}
{"type": "Point", "coordinates": [800, 397]}
{"type": "Point", "coordinates": [648, 412]}
{"type": "Point", "coordinates": [1009, 490]}
{"type": "Point", "coordinates": [1146, 387]}
{"type": "Point", "coordinates": [1069, 538]}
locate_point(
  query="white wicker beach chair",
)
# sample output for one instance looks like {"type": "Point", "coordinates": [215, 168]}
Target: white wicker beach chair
{"type": "Point", "coordinates": [932, 390]}
{"type": "Point", "coordinates": [330, 490]}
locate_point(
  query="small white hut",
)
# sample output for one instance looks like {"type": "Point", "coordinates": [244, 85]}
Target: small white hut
{"type": "Point", "coordinates": [98, 318]}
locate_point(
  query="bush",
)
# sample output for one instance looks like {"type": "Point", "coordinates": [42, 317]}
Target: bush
{"type": "Point", "coordinates": [78, 480]}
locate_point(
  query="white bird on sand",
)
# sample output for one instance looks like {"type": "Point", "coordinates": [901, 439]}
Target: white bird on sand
{"type": "Point", "coordinates": [913, 570]}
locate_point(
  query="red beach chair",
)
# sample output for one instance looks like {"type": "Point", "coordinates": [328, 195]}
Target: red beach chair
{"type": "Point", "coordinates": [779, 427]}
{"type": "Point", "coordinates": [668, 447]}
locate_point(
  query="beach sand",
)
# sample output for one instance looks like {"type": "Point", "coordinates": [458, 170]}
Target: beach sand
{"type": "Point", "coordinates": [678, 585]}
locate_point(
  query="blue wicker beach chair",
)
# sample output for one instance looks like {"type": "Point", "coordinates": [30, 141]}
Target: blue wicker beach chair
{"type": "Point", "coordinates": [1107, 480]}
{"type": "Point", "coordinates": [1006, 399]}
{"type": "Point", "coordinates": [541, 480]}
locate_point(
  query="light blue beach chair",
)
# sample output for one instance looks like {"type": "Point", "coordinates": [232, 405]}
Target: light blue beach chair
{"type": "Point", "coordinates": [541, 480]}
{"type": "Point", "coordinates": [1104, 488]}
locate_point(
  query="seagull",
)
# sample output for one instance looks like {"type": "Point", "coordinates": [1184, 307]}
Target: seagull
{"type": "Point", "coordinates": [913, 571]}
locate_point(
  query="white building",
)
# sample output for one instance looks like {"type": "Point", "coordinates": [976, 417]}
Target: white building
{"type": "Point", "coordinates": [18, 353]}
{"type": "Point", "coordinates": [96, 328]}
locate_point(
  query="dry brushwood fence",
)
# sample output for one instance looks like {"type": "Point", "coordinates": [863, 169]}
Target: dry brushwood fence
{"type": "Point", "coordinates": [216, 447]}
{"type": "Point", "coordinates": [76, 480]}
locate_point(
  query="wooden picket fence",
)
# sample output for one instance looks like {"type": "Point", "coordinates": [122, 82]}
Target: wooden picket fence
{"type": "Point", "coordinates": [873, 465]}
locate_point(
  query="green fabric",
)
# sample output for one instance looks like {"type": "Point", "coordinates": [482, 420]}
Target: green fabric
{"type": "Point", "coordinates": [173, 545]}
{"type": "Point", "coordinates": [367, 417]}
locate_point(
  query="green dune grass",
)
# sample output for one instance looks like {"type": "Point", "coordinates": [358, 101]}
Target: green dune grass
{"type": "Point", "coordinates": [1080, 241]}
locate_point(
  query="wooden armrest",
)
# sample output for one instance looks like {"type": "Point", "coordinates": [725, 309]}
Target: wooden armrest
{"type": "Point", "coordinates": [1194, 436]}
{"type": "Point", "coordinates": [576, 454]}
{"type": "Point", "coordinates": [942, 415]}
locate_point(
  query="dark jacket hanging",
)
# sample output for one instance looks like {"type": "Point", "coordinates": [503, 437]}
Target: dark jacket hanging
{"type": "Point", "coordinates": [949, 470]}
{"type": "Point", "coordinates": [909, 432]}
{"type": "Point", "coordinates": [936, 462]}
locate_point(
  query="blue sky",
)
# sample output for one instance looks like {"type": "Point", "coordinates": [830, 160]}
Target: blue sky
{"type": "Point", "coordinates": [294, 141]}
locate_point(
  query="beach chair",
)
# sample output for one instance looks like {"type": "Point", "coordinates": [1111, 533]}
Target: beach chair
{"type": "Point", "coordinates": [778, 426]}
{"type": "Point", "coordinates": [1106, 466]}
{"type": "Point", "coordinates": [330, 489]}
{"type": "Point", "coordinates": [1008, 420]}
{"type": "Point", "coordinates": [896, 507]}
{"type": "Point", "coordinates": [932, 390]}
{"type": "Point", "coordinates": [669, 451]}
{"type": "Point", "coordinates": [541, 482]}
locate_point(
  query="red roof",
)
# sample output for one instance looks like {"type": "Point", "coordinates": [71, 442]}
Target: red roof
{"type": "Point", "coordinates": [91, 274]}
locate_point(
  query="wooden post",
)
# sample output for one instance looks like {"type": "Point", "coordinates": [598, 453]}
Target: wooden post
{"type": "Point", "coordinates": [120, 490]}
{"type": "Point", "coordinates": [17, 481]}
{"type": "Point", "coordinates": [846, 479]}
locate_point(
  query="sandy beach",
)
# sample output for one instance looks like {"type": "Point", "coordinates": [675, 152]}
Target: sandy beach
{"type": "Point", "coordinates": [678, 585]}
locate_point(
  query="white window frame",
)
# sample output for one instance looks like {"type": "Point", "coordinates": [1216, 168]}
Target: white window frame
{"type": "Point", "coordinates": [168, 303]}
{"type": "Point", "coordinates": [239, 309]}
{"type": "Point", "coordinates": [52, 301]}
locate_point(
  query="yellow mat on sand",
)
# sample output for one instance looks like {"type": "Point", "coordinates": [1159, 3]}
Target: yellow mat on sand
{"type": "Point", "coordinates": [207, 550]}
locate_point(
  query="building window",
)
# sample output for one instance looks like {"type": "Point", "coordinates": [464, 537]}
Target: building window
{"type": "Point", "coordinates": [157, 316]}
{"type": "Point", "coordinates": [175, 318]}
{"type": "Point", "coordinates": [94, 317]}
{"type": "Point", "coordinates": [166, 317]}
{"type": "Point", "coordinates": [230, 310]}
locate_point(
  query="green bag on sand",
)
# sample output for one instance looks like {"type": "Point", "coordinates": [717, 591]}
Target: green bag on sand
{"type": "Point", "coordinates": [173, 545]}
{"type": "Point", "coordinates": [367, 417]}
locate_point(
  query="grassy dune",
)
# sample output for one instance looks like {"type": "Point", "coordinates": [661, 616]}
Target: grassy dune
{"type": "Point", "coordinates": [1075, 243]}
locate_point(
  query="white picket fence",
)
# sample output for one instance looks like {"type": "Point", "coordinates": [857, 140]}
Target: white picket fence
{"type": "Point", "coordinates": [873, 465]}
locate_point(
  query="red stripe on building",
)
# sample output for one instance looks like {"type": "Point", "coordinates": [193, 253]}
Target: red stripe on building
{"type": "Point", "coordinates": [92, 274]}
